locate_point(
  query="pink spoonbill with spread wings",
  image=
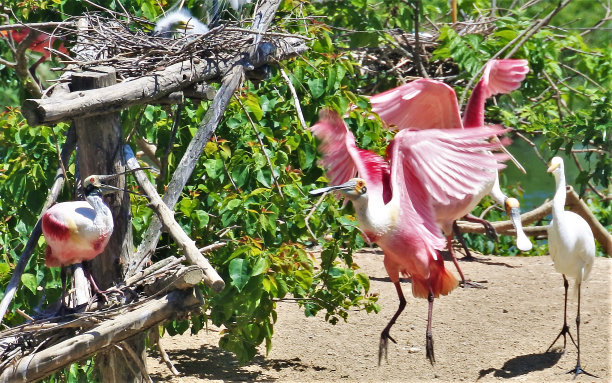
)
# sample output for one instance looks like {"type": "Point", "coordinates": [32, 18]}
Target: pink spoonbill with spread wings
{"type": "Point", "coordinates": [392, 197]}
{"type": "Point", "coordinates": [429, 104]}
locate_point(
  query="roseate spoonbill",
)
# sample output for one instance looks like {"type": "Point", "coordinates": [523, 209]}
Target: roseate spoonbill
{"type": "Point", "coordinates": [572, 248]}
{"type": "Point", "coordinates": [429, 104]}
{"type": "Point", "coordinates": [392, 198]}
{"type": "Point", "coordinates": [179, 22]}
{"type": "Point", "coordinates": [41, 43]}
{"type": "Point", "coordinates": [78, 231]}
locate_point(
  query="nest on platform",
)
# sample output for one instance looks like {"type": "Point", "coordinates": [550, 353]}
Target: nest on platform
{"type": "Point", "coordinates": [398, 56]}
{"type": "Point", "coordinates": [128, 45]}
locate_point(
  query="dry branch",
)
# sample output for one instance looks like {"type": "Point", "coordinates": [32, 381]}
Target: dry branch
{"type": "Point", "coordinates": [166, 215]}
{"type": "Point", "coordinates": [205, 131]}
{"type": "Point", "coordinates": [148, 88]}
{"type": "Point", "coordinates": [573, 202]}
{"type": "Point", "coordinates": [108, 333]}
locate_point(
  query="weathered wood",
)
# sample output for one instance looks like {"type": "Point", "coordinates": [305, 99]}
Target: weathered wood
{"type": "Point", "coordinates": [100, 151]}
{"type": "Point", "coordinates": [166, 215]}
{"type": "Point", "coordinates": [263, 17]}
{"type": "Point", "coordinates": [181, 279]}
{"type": "Point", "coordinates": [103, 336]}
{"type": "Point", "coordinates": [148, 88]}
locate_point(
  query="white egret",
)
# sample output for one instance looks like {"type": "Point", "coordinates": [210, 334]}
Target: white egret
{"type": "Point", "coordinates": [572, 248]}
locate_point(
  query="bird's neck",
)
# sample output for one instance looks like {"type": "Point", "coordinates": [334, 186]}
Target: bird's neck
{"type": "Point", "coordinates": [104, 216]}
{"type": "Point", "coordinates": [559, 199]}
{"type": "Point", "coordinates": [473, 116]}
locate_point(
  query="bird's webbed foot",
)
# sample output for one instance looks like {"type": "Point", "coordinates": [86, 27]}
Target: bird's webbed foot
{"type": "Point", "coordinates": [564, 332]}
{"type": "Point", "coordinates": [578, 370]}
{"type": "Point", "coordinates": [429, 349]}
{"type": "Point", "coordinates": [489, 229]}
{"type": "Point", "coordinates": [383, 345]}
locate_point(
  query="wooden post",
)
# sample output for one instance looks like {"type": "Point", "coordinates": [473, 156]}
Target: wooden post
{"type": "Point", "coordinates": [100, 151]}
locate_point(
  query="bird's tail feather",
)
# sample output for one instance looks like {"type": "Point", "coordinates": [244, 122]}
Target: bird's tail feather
{"type": "Point", "coordinates": [440, 282]}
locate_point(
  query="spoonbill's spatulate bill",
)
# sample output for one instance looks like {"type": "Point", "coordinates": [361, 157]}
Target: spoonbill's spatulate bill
{"type": "Point", "coordinates": [429, 104]}
{"type": "Point", "coordinates": [392, 197]}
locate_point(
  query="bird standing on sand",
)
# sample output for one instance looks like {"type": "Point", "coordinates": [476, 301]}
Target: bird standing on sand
{"type": "Point", "coordinates": [572, 248]}
{"type": "Point", "coordinates": [392, 198]}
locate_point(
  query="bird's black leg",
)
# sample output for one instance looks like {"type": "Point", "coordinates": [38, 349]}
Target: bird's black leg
{"type": "Point", "coordinates": [489, 229]}
{"type": "Point", "coordinates": [565, 329]}
{"type": "Point", "coordinates": [578, 370]}
{"type": "Point", "coordinates": [384, 336]}
{"type": "Point", "coordinates": [449, 245]}
{"type": "Point", "coordinates": [459, 236]}
{"type": "Point", "coordinates": [429, 347]}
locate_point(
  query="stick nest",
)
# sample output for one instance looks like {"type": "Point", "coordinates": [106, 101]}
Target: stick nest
{"type": "Point", "coordinates": [129, 47]}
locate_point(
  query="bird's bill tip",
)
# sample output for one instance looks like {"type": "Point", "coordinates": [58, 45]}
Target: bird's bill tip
{"type": "Point", "coordinates": [522, 241]}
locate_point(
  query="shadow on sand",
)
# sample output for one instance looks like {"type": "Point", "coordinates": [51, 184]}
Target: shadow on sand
{"type": "Point", "coordinates": [212, 363]}
{"type": "Point", "coordinates": [524, 364]}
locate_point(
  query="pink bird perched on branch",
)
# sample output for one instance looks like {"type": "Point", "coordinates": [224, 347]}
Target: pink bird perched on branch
{"type": "Point", "coordinates": [393, 197]}
{"type": "Point", "coordinates": [78, 231]}
{"type": "Point", "coordinates": [430, 104]}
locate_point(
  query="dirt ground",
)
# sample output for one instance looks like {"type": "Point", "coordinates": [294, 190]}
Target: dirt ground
{"type": "Point", "coordinates": [484, 335]}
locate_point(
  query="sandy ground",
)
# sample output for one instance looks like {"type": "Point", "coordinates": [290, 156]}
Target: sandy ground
{"type": "Point", "coordinates": [492, 334]}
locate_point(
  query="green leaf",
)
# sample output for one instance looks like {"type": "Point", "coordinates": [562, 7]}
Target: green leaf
{"type": "Point", "coordinates": [239, 273]}
{"type": "Point", "coordinates": [252, 104]}
{"type": "Point", "coordinates": [29, 281]}
{"type": "Point", "coordinates": [317, 87]}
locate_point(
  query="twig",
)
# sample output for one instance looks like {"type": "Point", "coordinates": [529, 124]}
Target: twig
{"type": "Point", "coordinates": [296, 100]}
{"type": "Point", "coordinates": [212, 246]}
{"type": "Point", "coordinates": [589, 183]}
{"type": "Point", "coordinates": [533, 145]}
{"type": "Point", "coordinates": [164, 354]}
{"type": "Point", "coordinates": [307, 219]}
{"type": "Point", "coordinates": [262, 146]}
{"type": "Point", "coordinates": [519, 40]}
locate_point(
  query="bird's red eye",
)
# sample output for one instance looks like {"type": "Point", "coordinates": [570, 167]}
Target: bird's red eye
{"type": "Point", "coordinates": [91, 180]}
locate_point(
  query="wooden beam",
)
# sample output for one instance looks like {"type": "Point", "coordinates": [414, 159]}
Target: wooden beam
{"type": "Point", "coordinates": [104, 336]}
{"type": "Point", "coordinates": [148, 88]}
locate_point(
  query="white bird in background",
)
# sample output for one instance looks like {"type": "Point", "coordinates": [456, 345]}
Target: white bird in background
{"type": "Point", "coordinates": [572, 248]}
{"type": "Point", "coordinates": [178, 23]}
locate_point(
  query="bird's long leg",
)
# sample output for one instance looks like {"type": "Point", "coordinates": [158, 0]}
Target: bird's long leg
{"type": "Point", "coordinates": [565, 329]}
{"type": "Point", "coordinates": [384, 336]}
{"type": "Point", "coordinates": [97, 290]}
{"type": "Point", "coordinates": [468, 255]}
{"type": "Point", "coordinates": [429, 347]}
{"type": "Point", "coordinates": [489, 229]}
{"type": "Point", "coordinates": [578, 370]}
{"type": "Point", "coordinates": [451, 250]}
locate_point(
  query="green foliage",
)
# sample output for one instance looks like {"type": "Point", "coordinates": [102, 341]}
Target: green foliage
{"type": "Point", "coordinates": [250, 188]}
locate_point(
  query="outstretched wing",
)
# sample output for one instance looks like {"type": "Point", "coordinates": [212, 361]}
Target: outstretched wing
{"type": "Point", "coordinates": [503, 76]}
{"type": "Point", "coordinates": [341, 157]}
{"type": "Point", "coordinates": [420, 104]}
{"type": "Point", "coordinates": [438, 164]}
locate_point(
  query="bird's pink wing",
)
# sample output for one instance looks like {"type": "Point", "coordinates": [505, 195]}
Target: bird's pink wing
{"type": "Point", "coordinates": [341, 157]}
{"type": "Point", "coordinates": [420, 104]}
{"type": "Point", "coordinates": [437, 164]}
{"type": "Point", "coordinates": [503, 76]}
